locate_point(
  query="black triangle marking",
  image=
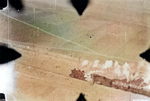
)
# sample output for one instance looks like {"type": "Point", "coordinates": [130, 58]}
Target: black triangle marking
{"type": "Point", "coordinates": [2, 96]}
{"type": "Point", "coordinates": [80, 5]}
{"type": "Point", "coordinates": [146, 55]}
{"type": "Point", "coordinates": [81, 97]}
{"type": "Point", "coordinates": [8, 54]}
{"type": "Point", "coordinates": [17, 4]}
{"type": "Point", "coordinates": [3, 4]}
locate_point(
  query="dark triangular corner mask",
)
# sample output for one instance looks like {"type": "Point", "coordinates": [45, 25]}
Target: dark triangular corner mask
{"type": "Point", "coordinates": [8, 54]}
{"type": "Point", "coordinates": [80, 5]}
{"type": "Point", "coordinates": [3, 4]}
{"type": "Point", "coordinates": [17, 4]}
{"type": "Point", "coordinates": [146, 55]}
{"type": "Point", "coordinates": [81, 97]}
{"type": "Point", "coordinates": [2, 97]}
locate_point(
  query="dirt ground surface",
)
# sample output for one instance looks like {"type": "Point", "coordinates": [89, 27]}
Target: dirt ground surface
{"type": "Point", "coordinates": [53, 38]}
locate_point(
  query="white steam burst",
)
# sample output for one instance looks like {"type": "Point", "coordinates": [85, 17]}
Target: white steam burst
{"type": "Point", "coordinates": [7, 77]}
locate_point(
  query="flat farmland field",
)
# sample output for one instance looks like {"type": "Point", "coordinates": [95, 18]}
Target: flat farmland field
{"type": "Point", "coordinates": [53, 39]}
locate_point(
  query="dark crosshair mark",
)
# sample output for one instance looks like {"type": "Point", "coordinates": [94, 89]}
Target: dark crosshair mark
{"type": "Point", "coordinates": [80, 5]}
{"type": "Point", "coordinates": [81, 97]}
{"type": "Point", "coordinates": [146, 55]}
